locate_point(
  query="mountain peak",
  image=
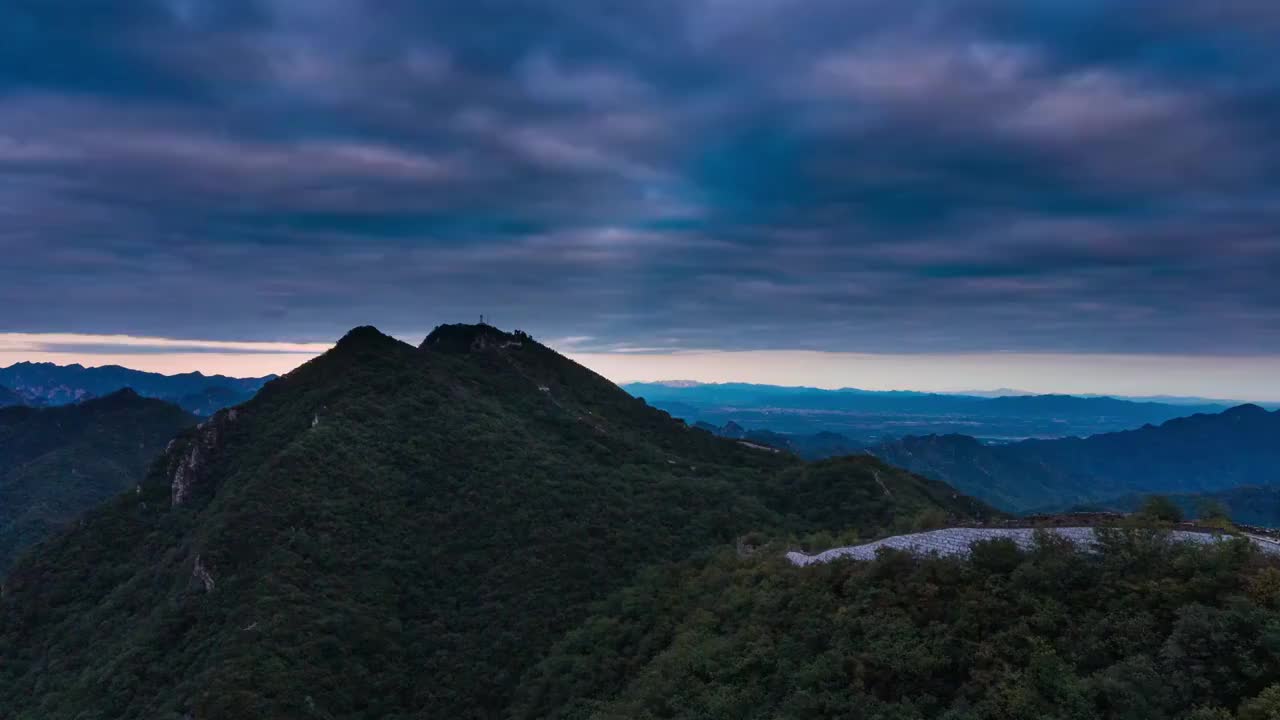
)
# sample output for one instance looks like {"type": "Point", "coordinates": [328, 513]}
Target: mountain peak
{"type": "Point", "coordinates": [464, 478]}
{"type": "Point", "coordinates": [733, 430]}
{"type": "Point", "coordinates": [1246, 410]}
{"type": "Point", "coordinates": [363, 336]}
{"type": "Point", "coordinates": [466, 338]}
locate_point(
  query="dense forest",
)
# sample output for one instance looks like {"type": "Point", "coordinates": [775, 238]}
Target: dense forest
{"type": "Point", "coordinates": [1145, 629]}
{"type": "Point", "coordinates": [393, 532]}
{"type": "Point", "coordinates": [55, 463]}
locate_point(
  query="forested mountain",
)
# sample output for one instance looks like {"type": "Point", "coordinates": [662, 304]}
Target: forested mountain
{"type": "Point", "coordinates": [866, 417]}
{"type": "Point", "coordinates": [55, 463]}
{"type": "Point", "coordinates": [9, 398]}
{"type": "Point", "coordinates": [50, 384]}
{"type": "Point", "coordinates": [1144, 629]}
{"type": "Point", "coordinates": [1201, 453]}
{"type": "Point", "coordinates": [394, 532]}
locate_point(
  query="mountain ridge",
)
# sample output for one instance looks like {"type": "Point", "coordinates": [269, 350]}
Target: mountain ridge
{"type": "Point", "coordinates": [46, 383]}
{"type": "Point", "coordinates": [419, 524]}
{"type": "Point", "coordinates": [868, 417]}
{"type": "Point", "coordinates": [968, 394]}
{"type": "Point", "coordinates": [1198, 453]}
{"type": "Point", "coordinates": [56, 463]}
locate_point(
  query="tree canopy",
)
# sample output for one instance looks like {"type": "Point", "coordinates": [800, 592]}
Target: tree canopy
{"type": "Point", "coordinates": [1145, 628]}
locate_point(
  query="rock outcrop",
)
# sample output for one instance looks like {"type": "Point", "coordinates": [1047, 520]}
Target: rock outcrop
{"type": "Point", "coordinates": [187, 457]}
{"type": "Point", "coordinates": [201, 574]}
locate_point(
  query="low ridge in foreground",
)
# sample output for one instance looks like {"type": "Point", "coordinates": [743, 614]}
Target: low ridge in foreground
{"type": "Point", "coordinates": [1144, 627]}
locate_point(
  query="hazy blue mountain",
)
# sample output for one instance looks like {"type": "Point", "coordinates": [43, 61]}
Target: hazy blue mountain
{"type": "Point", "coordinates": [50, 384]}
{"type": "Point", "coordinates": [810, 447]}
{"type": "Point", "coordinates": [214, 398]}
{"type": "Point", "coordinates": [1248, 505]}
{"type": "Point", "coordinates": [824, 445]}
{"type": "Point", "coordinates": [866, 417]}
{"type": "Point", "coordinates": [1164, 399]}
{"type": "Point", "coordinates": [1197, 454]}
{"type": "Point", "coordinates": [55, 463]}
{"type": "Point", "coordinates": [9, 398]}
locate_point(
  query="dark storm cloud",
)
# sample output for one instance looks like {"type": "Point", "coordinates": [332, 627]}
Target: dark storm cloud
{"type": "Point", "coordinates": [919, 176]}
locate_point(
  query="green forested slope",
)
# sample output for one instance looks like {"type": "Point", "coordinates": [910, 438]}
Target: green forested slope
{"type": "Point", "coordinates": [393, 532]}
{"type": "Point", "coordinates": [55, 463]}
{"type": "Point", "coordinates": [1144, 630]}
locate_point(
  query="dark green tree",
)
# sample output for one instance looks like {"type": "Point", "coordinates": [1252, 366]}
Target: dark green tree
{"type": "Point", "coordinates": [1159, 508]}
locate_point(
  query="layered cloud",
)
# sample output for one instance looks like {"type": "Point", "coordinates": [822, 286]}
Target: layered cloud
{"type": "Point", "coordinates": [859, 176]}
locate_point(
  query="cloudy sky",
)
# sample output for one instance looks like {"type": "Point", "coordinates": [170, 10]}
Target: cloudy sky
{"type": "Point", "coordinates": [978, 178]}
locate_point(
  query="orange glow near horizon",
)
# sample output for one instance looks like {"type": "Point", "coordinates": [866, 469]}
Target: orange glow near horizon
{"type": "Point", "coordinates": [1239, 378]}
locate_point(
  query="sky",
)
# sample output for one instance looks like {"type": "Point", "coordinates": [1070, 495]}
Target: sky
{"type": "Point", "coordinates": [1045, 187]}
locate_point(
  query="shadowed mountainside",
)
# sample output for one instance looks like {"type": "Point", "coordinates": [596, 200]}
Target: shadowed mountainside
{"type": "Point", "coordinates": [391, 531]}
{"type": "Point", "coordinates": [1201, 453]}
{"type": "Point", "coordinates": [56, 463]}
{"type": "Point", "coordinates": [1248, 505]}
{"type": "Point", "coordinates": [9, 398]}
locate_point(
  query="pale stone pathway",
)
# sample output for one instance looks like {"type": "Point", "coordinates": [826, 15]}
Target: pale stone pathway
{"type": "Point", "coordinates": [956, 542]}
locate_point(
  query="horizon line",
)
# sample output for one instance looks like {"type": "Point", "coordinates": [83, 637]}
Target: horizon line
{"type": "Point", "coordinates": [1227, 378]}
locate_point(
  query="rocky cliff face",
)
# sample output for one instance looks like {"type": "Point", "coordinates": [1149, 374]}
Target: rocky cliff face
{"type": "Point", "coordinates": [187, 457]}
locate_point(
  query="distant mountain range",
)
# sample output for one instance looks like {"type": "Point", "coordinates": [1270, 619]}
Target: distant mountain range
{"type": "Point", "coordinates": [998, 392]}
{"type": "Point", "coordinates": [47, 384]}
{"type": "Point", "coordinates": [1163, 399]}
{"type": "Point", "coordinates": [55, 463]}
{"type": "Point", "coordinates": [1197, 454]}
{"type": "Point", "coordinates": [867, 417]}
